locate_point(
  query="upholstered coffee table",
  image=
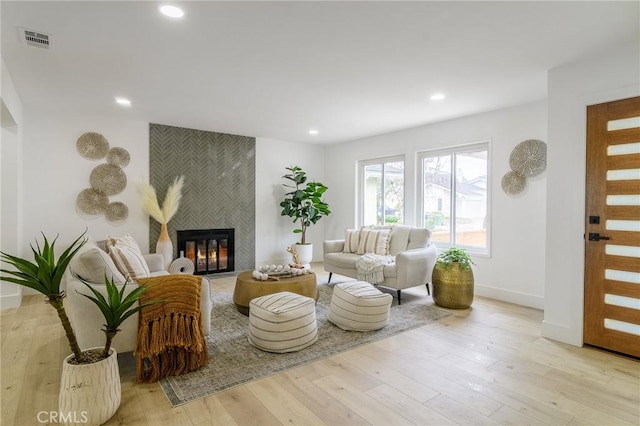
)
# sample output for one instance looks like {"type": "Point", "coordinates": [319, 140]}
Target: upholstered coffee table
{"type": "Point", "coordinates": [248, 288]}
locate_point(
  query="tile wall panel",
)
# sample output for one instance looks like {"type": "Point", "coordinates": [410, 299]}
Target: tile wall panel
{"type": "Point", "coordinates": [219, 189]}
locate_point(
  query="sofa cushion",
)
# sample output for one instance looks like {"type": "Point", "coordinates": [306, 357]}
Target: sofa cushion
{"type": "Point", "coordinates": [92, 264]}
{"type": "Point", "coordinates": [374, 241]}
{"type": "Point", "coordinates": [418, 238]}
{"type": "Point", "coordinates": [351, 240]}
{"type": "Point", "coordinates": [127, 257]}
{"type": "Point", "coordinates": [399, 239]}
{"type": "Point", "coordinates": [342, 260]}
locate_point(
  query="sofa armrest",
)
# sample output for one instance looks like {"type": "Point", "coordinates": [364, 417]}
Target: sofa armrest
{"type": "Point", "coordinates": [87, 320]}
{"type": "Point", "coordinates": [155, 261]}
{"type": "Point", "coordinates": [333, 246]}
{"type": "Point", "coordinates": [414, 267]}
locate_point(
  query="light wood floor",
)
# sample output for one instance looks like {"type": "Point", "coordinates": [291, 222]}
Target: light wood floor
{"type": "Point", "coordinates": [484, 365]}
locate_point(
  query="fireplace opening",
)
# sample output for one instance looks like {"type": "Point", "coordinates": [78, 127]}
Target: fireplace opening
{"type": "Point", "coordinates": [210, 250]}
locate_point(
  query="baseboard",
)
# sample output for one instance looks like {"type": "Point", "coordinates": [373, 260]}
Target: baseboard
{"type": "Point", "coordinates": [561, 333]}
{"type": "Point", "coordinates": [523, 299]}
{"type": "Point", "coordinates": [13, 301]}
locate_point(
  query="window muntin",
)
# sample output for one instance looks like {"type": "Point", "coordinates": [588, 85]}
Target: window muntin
{"type": "Point", "coordinates": [455, 196]}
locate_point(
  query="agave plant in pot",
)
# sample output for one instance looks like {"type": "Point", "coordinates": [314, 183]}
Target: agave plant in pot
{"type": "Point", "coordinates": [453, 279]}
{"type": "Point", "coordinates": [90, 383]}
{"type": "Point", "coordinates": [304, 204]}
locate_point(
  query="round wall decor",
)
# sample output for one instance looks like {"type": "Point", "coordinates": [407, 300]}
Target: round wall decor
{"type": "Point", "coordinates": [92, 146]}
{"type": "Point", "coordinates": [529, 158]}
{"type": "Point", "coordinates": [91, 201]}
{"type": "Point", "coordinates": [116, 212]}
{"type": "Point", "coordinates": [513, 183]}
{"type": "Point", "coordinates": [108, 178]}
{"type": "Point", "coordinates": [118, 156]}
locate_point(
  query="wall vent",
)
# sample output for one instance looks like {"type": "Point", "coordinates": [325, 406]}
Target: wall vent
{"type": "Point", "coordinates": [36, 38]}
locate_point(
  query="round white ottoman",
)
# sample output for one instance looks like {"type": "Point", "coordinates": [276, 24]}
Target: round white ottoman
{"type": "Point", "coordinates": [359, 306]}
{"type": "Point", "coordinates": [282, 322]}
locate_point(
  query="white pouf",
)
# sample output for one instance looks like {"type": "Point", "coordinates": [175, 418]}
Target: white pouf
{"type": "Point", "coordinates": [359, 306]}
{"type": "Point", "coordinates": [282, 322]}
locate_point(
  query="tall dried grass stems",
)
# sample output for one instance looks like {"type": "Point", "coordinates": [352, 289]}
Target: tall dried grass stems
{"type": "Point", "coordinates": [171, 200]}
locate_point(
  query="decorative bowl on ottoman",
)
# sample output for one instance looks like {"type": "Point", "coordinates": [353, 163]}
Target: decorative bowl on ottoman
{"type": "Point", "coordinates": [359, 306]}
{"type": "Point", "coordinates": [282, 322]}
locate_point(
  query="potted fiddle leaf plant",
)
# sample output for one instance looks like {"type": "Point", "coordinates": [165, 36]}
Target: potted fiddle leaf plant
{"type": "Point", "coordinates": [304, 204]}
{"type": "Point", "coordinates": [84, 392]}
{"type": "Point", "coordinates": [453, 281]}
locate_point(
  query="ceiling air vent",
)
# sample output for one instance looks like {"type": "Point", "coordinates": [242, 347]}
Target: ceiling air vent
{"type": "Point", "coordinates": [36, 38]}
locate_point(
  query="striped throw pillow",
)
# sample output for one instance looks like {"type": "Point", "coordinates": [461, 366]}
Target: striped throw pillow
{"type": "Point", "coordinates": [127, 256]}
{"type": "Point", "coordinates": [373, 241]}
{"type": "Point", "coordinates": [351, 240]}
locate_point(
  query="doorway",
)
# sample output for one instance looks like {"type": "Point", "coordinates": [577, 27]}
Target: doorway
{"type": "Point", "coordinates": [612, 227]}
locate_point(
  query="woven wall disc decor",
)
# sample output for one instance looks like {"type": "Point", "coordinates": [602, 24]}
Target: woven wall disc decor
{"type": "Point", "coordinates": [118, 156]}
{"type": "Point", "coordinates": [108, 178]}
{"type": "Point", "coordinates": [529, 158]}
{"type": "Point", "coordinates": [116, 212]}
{"type": "Point", "coordinates": [513, 183]}
{"type": "Point", "coordinates": [92, 146]}
{"type": "Point", "coordinates": [91, 201]}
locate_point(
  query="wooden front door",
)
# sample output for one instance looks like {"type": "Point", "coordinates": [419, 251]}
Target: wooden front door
{"type": "Point", "coordinates": [612, 227]}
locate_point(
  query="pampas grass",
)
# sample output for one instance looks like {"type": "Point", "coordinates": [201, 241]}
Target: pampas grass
{"type": "Point", "coordinates": [171, 200]}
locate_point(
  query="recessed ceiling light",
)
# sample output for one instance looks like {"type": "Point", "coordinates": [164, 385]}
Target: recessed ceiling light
{"type": "Point", "coordinates": [437, 96]}
{"type": "Point", "coordinates": [123, 101]}
{"type": "Point", "coordinates": [313, 132]}
{"type": "Point", "coordinates": [171, 11]}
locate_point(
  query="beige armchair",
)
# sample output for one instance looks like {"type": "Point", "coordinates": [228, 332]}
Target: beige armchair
{"type": "Point", "coordinates": [414, 259]}
{"type": "Point", "coordinates": [91, 263]}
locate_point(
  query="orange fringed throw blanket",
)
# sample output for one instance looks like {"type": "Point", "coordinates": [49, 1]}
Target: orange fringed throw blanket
{"type": "Point", "coordinates": [170, 338]}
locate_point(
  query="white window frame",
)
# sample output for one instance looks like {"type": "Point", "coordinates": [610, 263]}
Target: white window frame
{"type": "Point", "coordinates": [420, 189]}
{"type": "Point", "coordinates": [361, 184]}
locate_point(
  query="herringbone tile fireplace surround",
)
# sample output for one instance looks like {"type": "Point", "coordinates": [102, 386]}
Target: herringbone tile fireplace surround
{"type": "Point", "coordinates": [219, 188]}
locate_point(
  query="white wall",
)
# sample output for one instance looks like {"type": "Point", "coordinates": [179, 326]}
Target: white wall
{"type": "Point", "coordinates": [54, 174]}
{"type": "Point", "coordinates": [515, 270]}
{"type": "Point", "coordinates": [11, 185]}
{"type": "Point", "coordinates": [615, 74]}
{"type": "Point", "coordinates": [274, 233]}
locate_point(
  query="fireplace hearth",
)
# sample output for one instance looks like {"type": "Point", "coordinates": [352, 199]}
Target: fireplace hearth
{"type": "Point", "coordinates": [210, 250]}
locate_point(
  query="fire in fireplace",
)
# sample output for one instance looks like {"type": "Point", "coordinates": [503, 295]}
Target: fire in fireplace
{"type": "Point", "coordinates": [210, 250]}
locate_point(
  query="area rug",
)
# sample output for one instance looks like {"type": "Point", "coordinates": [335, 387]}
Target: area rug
{"type": "Point", "coordinates": [233, 361]}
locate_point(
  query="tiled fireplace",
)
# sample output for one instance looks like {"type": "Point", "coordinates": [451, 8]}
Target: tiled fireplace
{"type": "Point", "coordinates": [211, 250]}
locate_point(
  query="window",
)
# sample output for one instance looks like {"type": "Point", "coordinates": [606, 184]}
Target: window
{"type": "Point", "coordinates": [455, 196]}
{"type": "Point", "coordinates": [382, 191]}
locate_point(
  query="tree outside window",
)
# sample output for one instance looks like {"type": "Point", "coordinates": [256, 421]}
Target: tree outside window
{"type": "Point", "coordinates": [382, 191]}
{"type": "Point", "coordinates": [454, 196]}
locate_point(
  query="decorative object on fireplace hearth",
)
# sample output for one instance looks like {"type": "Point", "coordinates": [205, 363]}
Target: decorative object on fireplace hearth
{"type": "Point", "coordinates": [163, 214]}
{"type": "Point", "coordinates": [303, 203]}
{"type": "Point", "coordinates": [182, 265]}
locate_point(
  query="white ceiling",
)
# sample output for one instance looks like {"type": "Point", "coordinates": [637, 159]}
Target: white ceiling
{"type": "Point", "coordinates": [278, 69]}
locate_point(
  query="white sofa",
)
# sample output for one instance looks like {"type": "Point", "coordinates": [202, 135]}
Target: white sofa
{"type": "Point", "coordinates": [415, 257]}
{"type": "Point", "coordinates": [91, 263]}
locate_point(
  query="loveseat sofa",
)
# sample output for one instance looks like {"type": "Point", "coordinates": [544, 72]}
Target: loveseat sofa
{"type": "Point", "coordinates": [413, 256]}
{"type": "Point", "coordinates": [92, 263]}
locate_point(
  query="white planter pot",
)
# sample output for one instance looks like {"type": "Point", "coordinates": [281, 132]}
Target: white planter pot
{"type": "Point", "coordinates": [305, 254]}
{"type": "Point", "coordinates": [89, 393]}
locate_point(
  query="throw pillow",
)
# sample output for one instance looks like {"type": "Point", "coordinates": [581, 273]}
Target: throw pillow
{"type": "Point", "coordinates": [351, 240]}
{"type": "Point", "coordinates": [374, 241]}
{"type": "Point", "coordinates": [93, 264]}
{"type": "Point", "coordinates": [127, 257]}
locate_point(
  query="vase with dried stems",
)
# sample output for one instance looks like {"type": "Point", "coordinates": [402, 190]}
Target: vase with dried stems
{"type": "Point", "coordinates": [163, 214]}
